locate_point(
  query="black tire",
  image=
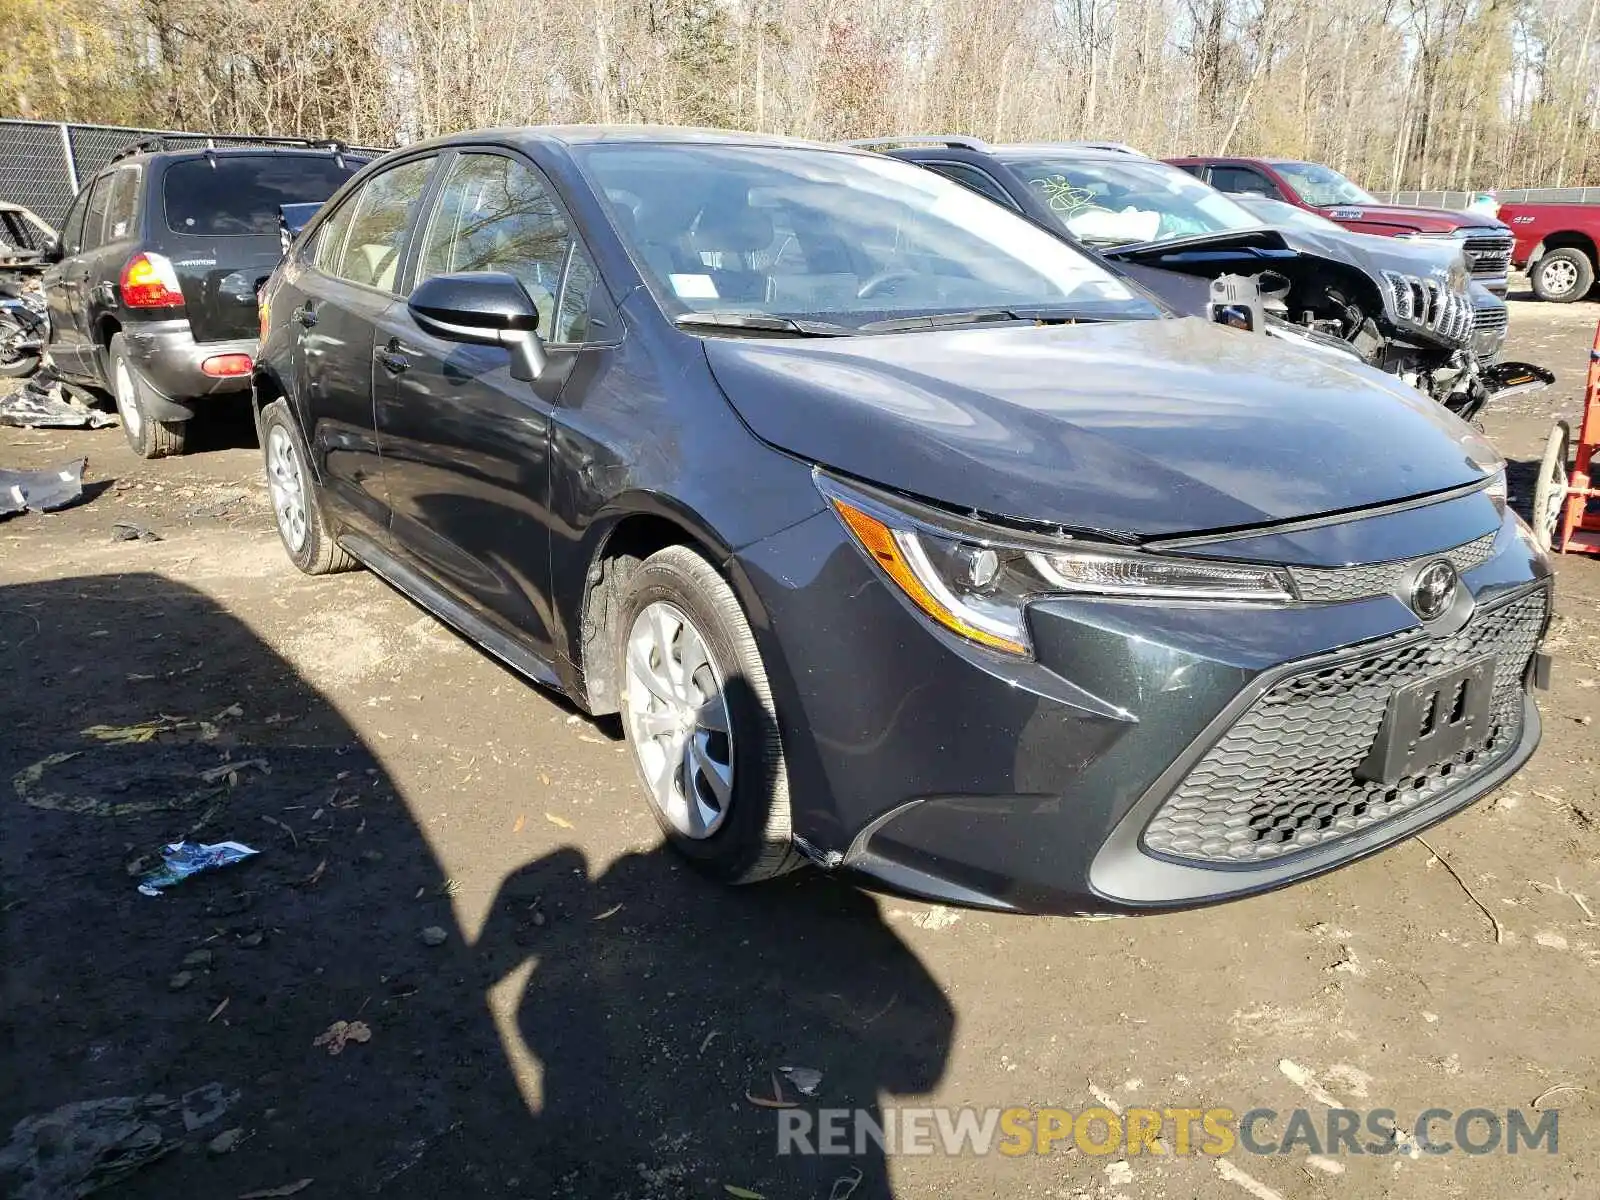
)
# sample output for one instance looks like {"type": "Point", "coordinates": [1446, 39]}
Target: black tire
{"type": "Point", "coordinates": [20, 367]}
{"type": "Point", "coordinates": [308, 541]}
{"type": "Point", "coordinates": [148, 437]}
{"type": "Point", "coordinates": [1562, 276]}
{"type": "Point", "coordinates": [753, 840]}
{"type": "Point", "coordinates": [1550, 493]}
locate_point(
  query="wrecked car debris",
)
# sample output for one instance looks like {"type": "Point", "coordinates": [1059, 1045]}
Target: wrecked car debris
{"type": "Point", "coordinates": [130, 531]}
{"type": "Point", "coordinates": [45, 403]}
{"type": "Point", "coordinates": [42, 491]}
{"type": "Point", "coordinates": [183, 859]}
{"type": "Point", "coordinates": [84, 1147]}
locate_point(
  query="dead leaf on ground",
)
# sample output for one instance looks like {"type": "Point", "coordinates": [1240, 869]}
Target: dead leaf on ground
{"type": "Point", "coordinates": [340, 1033]}
{"type": "Point", "coordinates": [610, 912]}
{"type": "Point", "coordinates": [516, 826]}
{"type": "Point", "coordinates": [217, 1011]}
{"type": "Point", "coordinates": [742, 1193]}
{"type": "Point", "coordinates": [559, 821]}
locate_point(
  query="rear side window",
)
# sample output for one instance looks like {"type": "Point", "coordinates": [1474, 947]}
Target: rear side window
{"type": "Point", "coordinates": [979, 181]}
{"type": "Point", "coordinates": [94, 222]}
{"type": "Point", "coordinates": [239, 196]}
{"type": "Point", "coordinates": [122, 210]}
{"type": "Point", "coordinates": [379, 216]}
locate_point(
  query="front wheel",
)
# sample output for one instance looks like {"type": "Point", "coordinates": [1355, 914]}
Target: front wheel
{"type": "Point", "coordinates": [16, 363]}
{"type": "Point", "coordinates": [148, 437]}
{"type": "Point", "coordinates": [1550, 495]}
{"type": "Point", "coordinates": [1562, 276]}
{"type": "Point", "coordinates": [700, 720]}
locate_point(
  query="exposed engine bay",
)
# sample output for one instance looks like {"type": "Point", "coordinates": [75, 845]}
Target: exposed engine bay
{"type": "Point", "coordinates": [1408, 310]}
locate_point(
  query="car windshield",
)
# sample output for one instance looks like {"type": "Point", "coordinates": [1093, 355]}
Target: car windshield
{"type": "Point", "coordinates": [1117, 201]}
{"type": "Point", "coordinates": [1320, 185]}
{"type": "Point", "coordinates": [841, 239]}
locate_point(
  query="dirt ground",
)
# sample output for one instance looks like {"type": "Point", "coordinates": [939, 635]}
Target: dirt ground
{"type": "Point", "coordinates": [595, 1017]}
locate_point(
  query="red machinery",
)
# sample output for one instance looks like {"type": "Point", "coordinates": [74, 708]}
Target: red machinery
{"type": "Point", "coordinates": [1561, 516]}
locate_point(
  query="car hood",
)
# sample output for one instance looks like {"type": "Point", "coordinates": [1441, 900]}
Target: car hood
{"type": "Point", "coordinates": [1369, 253]}
{"type": "Point", "coordinates": [1145, 428]}
{"type": "Point", "coordinates": [1423, 220]}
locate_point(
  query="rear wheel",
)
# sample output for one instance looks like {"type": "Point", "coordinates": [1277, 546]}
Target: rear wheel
{"type": "Point", "coordinates": [305, 534]}
{"type": "Point", "coordinates": [1562, 276]}
{"type": "Point", "coordinates": [15, 363]}
{"type": "Point", "coordinates": [1550, 495]}
{"type": "Point", "coordinates": [700, 720]}
{"type": "Point", "coordinates": [148, 437]}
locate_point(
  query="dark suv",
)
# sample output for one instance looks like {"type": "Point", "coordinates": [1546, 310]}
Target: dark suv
{"type": "Point", "coordinates": [908, 538]}
{"type": "Point", "coordinates": [151, 286]}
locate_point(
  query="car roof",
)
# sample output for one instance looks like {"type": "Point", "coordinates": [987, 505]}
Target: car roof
{"type": "Point", "coordinates": [583, 135]}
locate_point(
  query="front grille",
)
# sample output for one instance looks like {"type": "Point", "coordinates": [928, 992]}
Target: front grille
{"type": "Point", "coordinates": [1489, 253]}
{"type": "Point", "coordinates": [1490, 320]}
{"type": "Point", "coordinates": [1283, 778]}
{"type": "Point", "coordinates": [1430, 304]}
{"type": "Point", "coordinates": [1332, 585]}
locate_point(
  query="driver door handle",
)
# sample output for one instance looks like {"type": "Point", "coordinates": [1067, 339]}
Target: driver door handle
{"type": "Point", "coordinates": [391, 359]}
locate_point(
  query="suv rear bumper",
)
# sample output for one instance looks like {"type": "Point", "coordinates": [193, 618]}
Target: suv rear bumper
{"type": "Point", "coordinates": [167, 361]}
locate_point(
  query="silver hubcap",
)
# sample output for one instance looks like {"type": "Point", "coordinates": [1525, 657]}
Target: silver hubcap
{"type": "Point", "coordinates": [127, 404]}
{"type": "Point", "coordinates": [678, 721]}
{"type": "Point", "coordinates": [1560, 277]}
{"type": "Point", "coordinates": [288, 487]}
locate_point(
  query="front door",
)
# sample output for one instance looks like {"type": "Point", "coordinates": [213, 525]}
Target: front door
{"type": "Point", "coordinates": [66, 290]}
{"type": "Point", "coordinates": [465, 446]}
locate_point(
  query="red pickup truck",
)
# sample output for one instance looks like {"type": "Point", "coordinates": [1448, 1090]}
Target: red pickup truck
{"type": "Point", "coordinates": [1486, 241]}
{"type": "Point", "coordinates": [1556, 244]}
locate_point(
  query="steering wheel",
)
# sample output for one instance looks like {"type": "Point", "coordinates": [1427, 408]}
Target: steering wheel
{"type": "Point", "coordinates": [882, 282]}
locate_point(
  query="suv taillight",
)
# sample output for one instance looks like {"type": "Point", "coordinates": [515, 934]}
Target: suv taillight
{"type": "Point", "coordinates": [148, 281]}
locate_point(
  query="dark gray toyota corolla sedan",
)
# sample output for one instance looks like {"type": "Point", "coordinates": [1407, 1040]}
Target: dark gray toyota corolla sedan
{"type": "Point", "coordinates": [907, 539]}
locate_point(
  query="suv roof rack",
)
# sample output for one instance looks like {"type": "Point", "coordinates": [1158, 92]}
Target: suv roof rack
{"type": "Point", "coordinates": [1091, 144]}
{"type": "Point", "coordinates": [160, 142]}
{"type": "Point", "coordinates": [953, 141]}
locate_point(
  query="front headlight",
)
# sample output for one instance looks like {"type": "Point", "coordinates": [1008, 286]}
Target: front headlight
{"type": "Point", "coordinates": [976, 580]}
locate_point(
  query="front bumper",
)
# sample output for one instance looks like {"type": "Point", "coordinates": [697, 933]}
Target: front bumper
{"type": "Point", "coordinates": [167, 365]}
{"type": "Point", "coordinates": [928, 766]}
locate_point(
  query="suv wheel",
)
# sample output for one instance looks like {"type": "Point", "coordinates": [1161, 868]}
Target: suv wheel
{"type": "Point", "coordinates": [148, 437]}
{"type": "Point", "coordinates": [700, 720]}
{"type": "Point", "coordinates": [1562, 276]}
{"type": "Point", "coordinates": [294, 497]}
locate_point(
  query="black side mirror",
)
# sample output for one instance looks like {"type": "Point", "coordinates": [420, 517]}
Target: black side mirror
{"type": "Point", "coordinates": [488, 308]}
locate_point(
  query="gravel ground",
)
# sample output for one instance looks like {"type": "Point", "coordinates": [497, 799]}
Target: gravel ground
{"type": "Point", "coordinates": [595, 1020]}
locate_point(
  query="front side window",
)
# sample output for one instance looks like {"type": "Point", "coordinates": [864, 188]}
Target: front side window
{"type": "Point", "coordinates": [72, 227]}
{"type": "Point", "coordinates": [978, 181]}
{"type": "Point", "coordinates": [239, 195]}
{"type": "Point", "coordinates": [850, 239]}
{"type": "Point", "coordinates": [1321, 186]}
{"type": "Point", "coordinates": [369, 254]}
{"type": "Point", "coordinates": [495, 214]}
{"type": "Point", "coordinates": [1242, 179]}
{"type": "Point", "coordinates": [1115, 202]}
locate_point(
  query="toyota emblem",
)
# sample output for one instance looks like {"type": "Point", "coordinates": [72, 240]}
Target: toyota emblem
{"type": "Point", "coordinates": [1431, 593]}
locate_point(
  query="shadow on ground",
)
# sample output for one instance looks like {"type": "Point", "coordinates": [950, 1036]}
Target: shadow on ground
{"type": "Point", "coordinates": [635, 1005]}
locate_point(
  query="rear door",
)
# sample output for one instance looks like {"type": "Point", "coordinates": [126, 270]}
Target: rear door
{"type": "Point", "coordinates": [343, 281]}
{"type": "Point", "coordinates": [465, 446]}
{"type": "Point", "coordinates": [107, 245]}
{"type": "Point", "coordinates": [218, 223]}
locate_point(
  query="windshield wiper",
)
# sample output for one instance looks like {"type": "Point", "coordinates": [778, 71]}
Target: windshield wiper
{"type": "Point", "coordinates": [760, 323]}
{"type": "Point", "coordinates": [975, 316]}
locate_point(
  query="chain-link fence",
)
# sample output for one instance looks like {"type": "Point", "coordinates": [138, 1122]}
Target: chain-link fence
{"type": "Point", "coordinates": [1460, 200]}
{"type": "Point", "coordinates": [43, 163]}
